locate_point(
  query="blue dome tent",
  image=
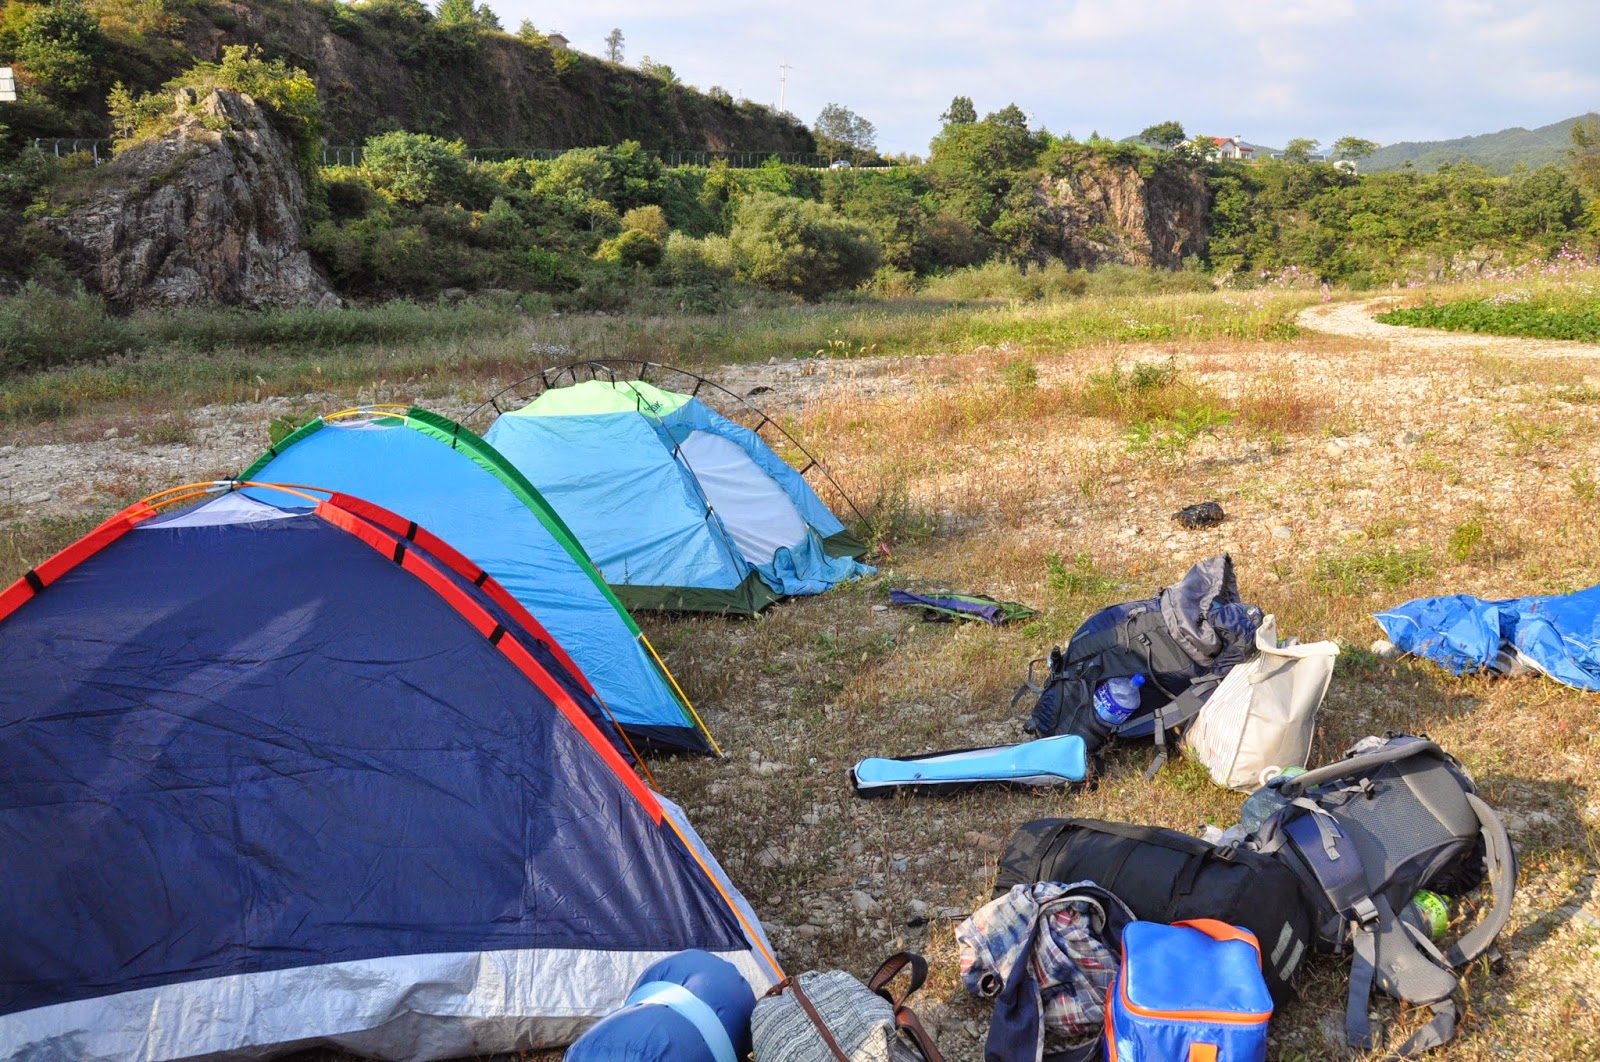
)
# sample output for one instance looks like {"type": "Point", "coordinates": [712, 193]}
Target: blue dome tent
{"type": "Point", "coordinates": [279, 774]}
{"type": "Point", "coordinates": [453, 483]}
{"type": "Point", "coordinates": [679, 506]}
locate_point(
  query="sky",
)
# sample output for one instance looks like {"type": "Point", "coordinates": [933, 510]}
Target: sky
{"type": "Point", "coordinates": [1268, 70]}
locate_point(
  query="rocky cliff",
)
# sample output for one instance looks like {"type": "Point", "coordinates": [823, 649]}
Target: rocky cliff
{"type": "Point", "coordinates": [212, 211]}
{"type": "Point", "coordinates": [378, 67]}
{"type": "Point", "coordinates": [1107, 211]}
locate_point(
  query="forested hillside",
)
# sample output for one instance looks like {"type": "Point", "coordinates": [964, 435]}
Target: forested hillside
{"type": "Point", "coordinates": [1498, 153]}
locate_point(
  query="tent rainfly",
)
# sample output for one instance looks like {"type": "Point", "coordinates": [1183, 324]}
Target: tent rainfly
{"type": "Point", "coordinates": [680, 507]}
{"type": "Point", "coordinates": [279, 776]}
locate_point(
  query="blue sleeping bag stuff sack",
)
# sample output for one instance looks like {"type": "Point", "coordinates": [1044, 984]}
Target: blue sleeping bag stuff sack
{"type": "Point", "coordinates": [689, 1007]}
{"type": "Point", "coordinates": [1189, 992]}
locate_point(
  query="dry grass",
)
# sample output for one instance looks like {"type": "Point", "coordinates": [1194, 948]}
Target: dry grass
{"type": "Point", "coordinates": [1002, 464]}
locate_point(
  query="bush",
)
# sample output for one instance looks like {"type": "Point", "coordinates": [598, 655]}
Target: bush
{"type": "Point", "coordinates": [799, 246]}
{"type": "Point", "coordinates": [62, 47]}
{"type": "Point", "coordinates": [647, 219]}
{"type": "Point", "coordinates": [41, 327]}
{"type": "Point", "coordinates": [415, 168]}
{"type": "Point", "coordinates": [631, 248]}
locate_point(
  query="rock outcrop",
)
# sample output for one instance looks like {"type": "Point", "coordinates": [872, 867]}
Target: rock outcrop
{"type": "Point", "coordinates": [1106, 211]}
{"type": "Point", "coordinates": [212, 211]}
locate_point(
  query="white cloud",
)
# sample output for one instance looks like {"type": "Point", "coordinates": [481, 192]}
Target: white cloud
{"type": "Point", "coordinates": [1322, 68]}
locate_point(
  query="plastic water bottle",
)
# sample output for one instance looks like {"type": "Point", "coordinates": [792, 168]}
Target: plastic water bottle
{"type": "Point", "coordinates": [1429, 912]}
{"type": "Point", "coordinates": [1117, 699]}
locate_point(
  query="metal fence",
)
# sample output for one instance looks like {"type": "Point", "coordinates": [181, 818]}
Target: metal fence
{"type": "Point", "coordinates": [98, 150]}
{"type": "Point", "coordinates": [350, 154]}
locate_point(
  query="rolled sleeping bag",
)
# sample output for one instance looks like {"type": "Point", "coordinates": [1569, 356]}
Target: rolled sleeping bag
{"type": "Point", "coordinates": [1059, 760]}
{"type": "Point", "coordinates": [689, 1007]}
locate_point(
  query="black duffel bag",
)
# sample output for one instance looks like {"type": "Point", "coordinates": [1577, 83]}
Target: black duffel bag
{"type": "Point", "coordinates": [1167, 876]}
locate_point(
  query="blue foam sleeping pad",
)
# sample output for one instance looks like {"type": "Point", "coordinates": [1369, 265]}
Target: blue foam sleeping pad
{"type": "Point", "coordinates": [1047, 761]}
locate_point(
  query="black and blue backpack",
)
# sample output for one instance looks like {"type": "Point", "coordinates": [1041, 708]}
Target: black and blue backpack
{"type": "Point", "coordinates": [1398, 814]}
{"type": "Point", "coordinates": [1183, 641]}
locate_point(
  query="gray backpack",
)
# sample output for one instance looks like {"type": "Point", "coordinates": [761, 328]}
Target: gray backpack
{"type": "Point", "coordinates": [1363, 835]}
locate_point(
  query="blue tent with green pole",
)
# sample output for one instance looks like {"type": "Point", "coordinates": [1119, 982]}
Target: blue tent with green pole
{"type": "Point", "coordinates": [458, 487]}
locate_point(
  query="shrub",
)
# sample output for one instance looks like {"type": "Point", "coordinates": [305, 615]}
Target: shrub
{"type": "Point", "coordinates": [647, 219]}
{"type": "Point", "coordinates": [631, 248]}
{"type": "Point", "coordinates": [41, 327]}
{"type": "Point", "coordinates": [799, 246]}
{"type": "Point", "coordinates": [416, 168]}
{"type": "Point", "coordinates": [286, 92]}
{"type": "Point", "coordinates": [62, 47]}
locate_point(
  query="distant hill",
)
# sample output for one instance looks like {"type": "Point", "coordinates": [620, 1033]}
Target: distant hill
{"type": "Point", "coordinates": [1499, 152]}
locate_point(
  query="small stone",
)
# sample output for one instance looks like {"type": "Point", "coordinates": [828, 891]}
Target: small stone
{"type": "Point", "coordinates": [110, 433]}
{"type": "Point", "coordinates": [807, 931]}
{"type": "Point", "coordinates": [1337, 447]}
{"type": "Point", "coordinates": [1384, 648]}
{"type": "Point", "coordinates": [1407, 438]}
{"type": "Point", "coordinates": [880, 608]}
{"type": "Point", "coordinates": [35, 499]}
{"type": "Point", "coordinates": [863, 903]}
{"type": "Point", "coordinates": [769, 856]}
{"type": "Point", "coordinates": [899, 864]}
{"type": "Point", "coordinates": [768, 767]}
{"type": "Point", "coordinates": [1282, 532]}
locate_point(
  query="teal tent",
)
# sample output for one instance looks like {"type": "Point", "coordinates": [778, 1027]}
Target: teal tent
{"type": "Point", "coordinates": [679, 506]}
{"type": "Point", "coordinates": [455, 485]}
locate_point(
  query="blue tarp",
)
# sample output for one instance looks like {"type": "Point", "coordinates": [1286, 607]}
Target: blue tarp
{"type": "Point", "coordinates": [264, 785]}
{"type": "Point", "coordinates": [1557, 634]}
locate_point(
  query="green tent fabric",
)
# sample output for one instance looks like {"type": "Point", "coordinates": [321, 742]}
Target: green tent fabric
{"type": "Point", "coordinates": [451, 482]}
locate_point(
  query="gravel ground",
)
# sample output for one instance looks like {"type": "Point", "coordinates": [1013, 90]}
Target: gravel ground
{"type": "Point", "coordinates": [1386, 441]}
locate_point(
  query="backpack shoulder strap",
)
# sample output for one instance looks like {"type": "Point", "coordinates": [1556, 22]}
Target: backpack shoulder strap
{"type": "Point", "coordinates": [1502, 861]}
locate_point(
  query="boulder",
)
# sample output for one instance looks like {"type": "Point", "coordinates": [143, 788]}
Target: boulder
{"type": "Point", "coordinates": [213, 211]}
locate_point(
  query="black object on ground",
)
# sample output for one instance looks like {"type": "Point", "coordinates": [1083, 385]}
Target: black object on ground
{"type": "Point", "coordinates": [1203, 514]}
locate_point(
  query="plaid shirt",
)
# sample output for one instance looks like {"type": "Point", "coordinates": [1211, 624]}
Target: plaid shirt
{"type": "Point", "coordinates": [1055, 932]}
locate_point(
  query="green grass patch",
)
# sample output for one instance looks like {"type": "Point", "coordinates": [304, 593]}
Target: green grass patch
{"type": "Point", "coordinates": [1545, 315]}
{"type": "Point", "coordinates": [1389, 568]}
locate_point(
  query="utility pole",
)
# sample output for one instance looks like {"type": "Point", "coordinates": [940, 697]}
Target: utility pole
{"type": "Point", "coordinates": [783, 84]}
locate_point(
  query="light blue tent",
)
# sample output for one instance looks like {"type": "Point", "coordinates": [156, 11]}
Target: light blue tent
{"type": "Point", "coordinates": [1558, 635]}
{"type": "Point", "coordinates": [452, 483]}
{"type": "Point", "coordinates": [678, 506]}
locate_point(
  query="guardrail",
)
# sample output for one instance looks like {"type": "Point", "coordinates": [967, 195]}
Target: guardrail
{"type": "Point", "coordinates": [350, 154]}
{"type": "Point", "coordinates": [98, 150]}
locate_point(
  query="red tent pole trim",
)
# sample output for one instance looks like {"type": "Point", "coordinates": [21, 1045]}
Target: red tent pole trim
{"type": "Point", "coordinates": [462, 566]}
{"type": "Point", "coordinates": [36, 580]}
{"type": "Point", "coordinates": [486, 625]}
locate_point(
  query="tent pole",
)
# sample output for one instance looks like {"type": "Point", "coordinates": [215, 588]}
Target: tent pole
{"type": "Point", "coordinates": [701, 723]}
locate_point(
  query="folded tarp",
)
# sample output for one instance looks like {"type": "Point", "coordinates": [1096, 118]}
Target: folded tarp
{"type": "Point", "coordinates": [1558, 635]}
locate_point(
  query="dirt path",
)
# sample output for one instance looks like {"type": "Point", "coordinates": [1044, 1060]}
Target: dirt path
{"type": "Point", "coordinates": [1355, 320]}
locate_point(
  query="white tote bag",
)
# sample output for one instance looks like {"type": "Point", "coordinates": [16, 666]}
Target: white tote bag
{"type": "Point", "coordinates": [1260, 718]}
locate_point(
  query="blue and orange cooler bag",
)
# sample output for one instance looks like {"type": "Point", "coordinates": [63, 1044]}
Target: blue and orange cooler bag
{"type": "Point", "coordinates": [1188, 992]}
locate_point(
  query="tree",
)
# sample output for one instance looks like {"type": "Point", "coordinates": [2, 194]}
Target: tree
{"type": "Point", "coordinates": [1585, 155]}
{"type": "Point", "coordinates": [799, 246]}
{"type": "Point", "coordinates": [416, 168]}
{"type": "Point", "coordinates": [661, 71]}
{"type": "Point", "coordinates": [1299, 149]}
{"type": "Point", "coordinates": [1168, 134]}
{"type": "Point", "coordinates": [466, 13]}
{"type": "Point", "coordinates": [530, 33]}
{"type": "Point", "coordinates": [842, 133]}
{"type": "Point", "coordinates": [1353, 147]}
{"type": "Point", "coordinates": [614, 46]}
{"type": "Point", "coordinates": [960, 112]}
{"type": "Point", "coordinates": [61, 47]}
